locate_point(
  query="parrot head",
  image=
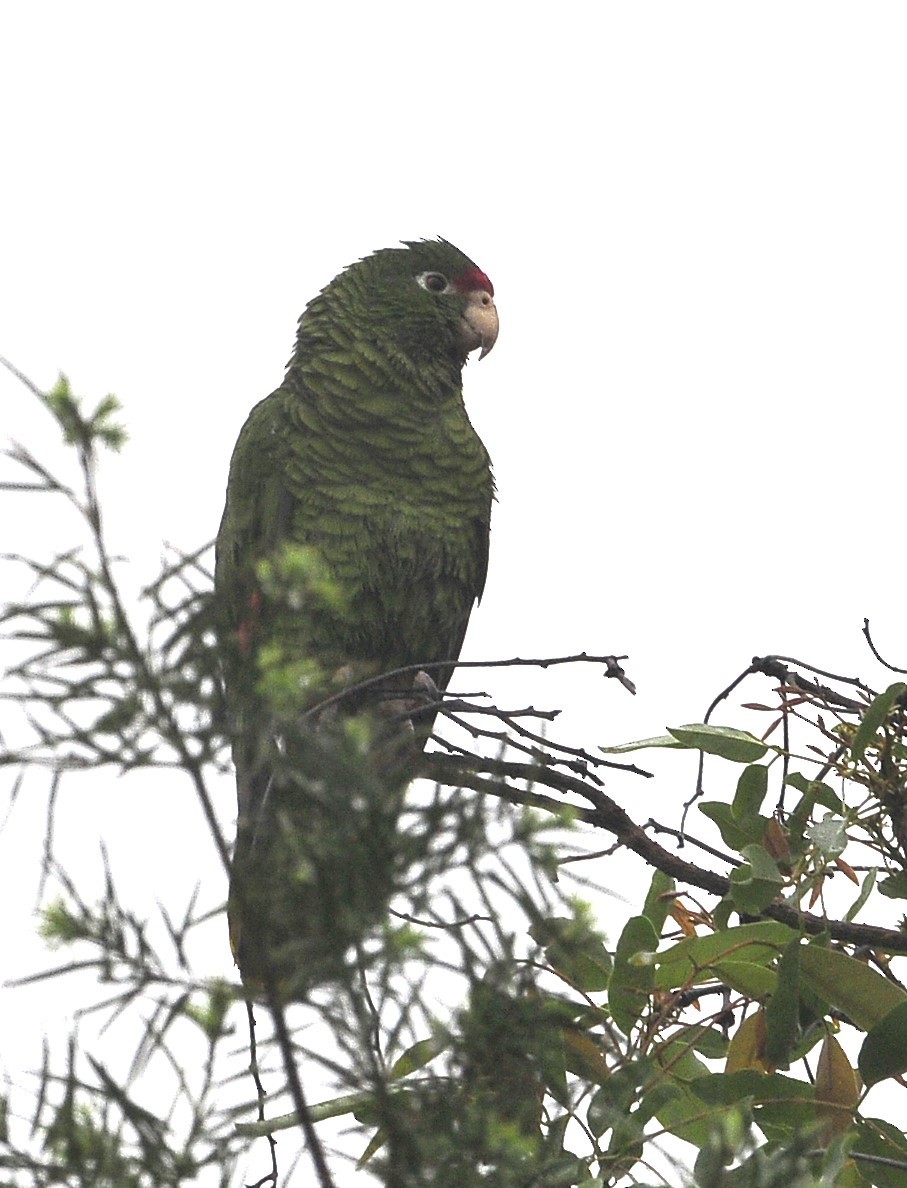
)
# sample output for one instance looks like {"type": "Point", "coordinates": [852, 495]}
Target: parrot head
{"type": "Point", "coordinates": [425, 300]}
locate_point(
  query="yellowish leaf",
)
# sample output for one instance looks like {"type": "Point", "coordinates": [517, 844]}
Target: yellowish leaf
{"type": "Point", "coordinates": [837, 1091]}
{"type": "Point", "coordinates": [747, 1048]}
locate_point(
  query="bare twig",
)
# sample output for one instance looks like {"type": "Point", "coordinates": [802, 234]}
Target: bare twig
{"type": "Point", "coordinates": [876, 653]}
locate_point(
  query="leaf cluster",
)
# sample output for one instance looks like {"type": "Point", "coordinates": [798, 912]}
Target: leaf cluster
{"type": "Point", "coordinates": [481, 1026]}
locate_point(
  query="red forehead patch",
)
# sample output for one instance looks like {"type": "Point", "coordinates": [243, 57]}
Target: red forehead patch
{"type": "Point", "coordinates": [473, 280]}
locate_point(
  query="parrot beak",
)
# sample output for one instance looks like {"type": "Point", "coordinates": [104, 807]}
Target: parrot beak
{"type": "Point", "coordinates": [479, 325]}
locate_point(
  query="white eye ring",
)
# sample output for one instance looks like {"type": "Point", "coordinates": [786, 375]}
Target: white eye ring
{"type": "Point", "coordinates": [434, 282]}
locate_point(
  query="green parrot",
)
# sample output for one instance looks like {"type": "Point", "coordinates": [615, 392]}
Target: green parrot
{"type": "Point", "coordinates": [354, 542]}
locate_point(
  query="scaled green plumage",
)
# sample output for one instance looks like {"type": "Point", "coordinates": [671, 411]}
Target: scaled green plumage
{"type": "Point", "coordinates": [354, 541]}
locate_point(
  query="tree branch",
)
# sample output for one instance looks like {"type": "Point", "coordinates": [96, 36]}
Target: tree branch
{"type": "Point", "coordinates": [606, 814]}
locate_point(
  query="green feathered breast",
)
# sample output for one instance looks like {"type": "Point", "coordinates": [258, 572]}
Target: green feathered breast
{"type": "Point", "coordinates": [355, 534]}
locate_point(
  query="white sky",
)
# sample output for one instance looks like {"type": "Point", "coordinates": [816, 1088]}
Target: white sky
{"type": "Point", "coordinates": [694, 218]}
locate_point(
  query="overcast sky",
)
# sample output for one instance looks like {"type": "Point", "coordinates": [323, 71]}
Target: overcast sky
{"type": "Point", "coordinates": [694, 218]}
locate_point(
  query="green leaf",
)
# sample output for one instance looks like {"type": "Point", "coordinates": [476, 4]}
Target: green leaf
{"type": "Point", "coordinates": [725, 1089]}
{"type": "Point", "coordinates": [417, 1055]}
{"type": "Point", "coordinates": [658, 900]}
{"type": "Point", "coordinates": [884, 1051]}
{"type": "Point", "coordinates": [756, 882]}
{"type": "Point", "coordinates": [375, 1143]}
{"type": "Point", "coordinates": [782, 1118]}
{"type": "Point", "coordinates": [864, 995]}
{"type": "Point", "coordinates": [894, 887]}
{"type": "Point", "coordinates": [655, 1099]}
{"type": "Point", "coordinates": [739, 746]}
{"type": "Point", "coordinates": [65, 408]}
{"type": "Point", "coordinates": [694, 959]}
{"type": "Point", "coordinates": [782, 1014]}
{"type": "Point", "coordinates": [882, 1141]}
{"type": "Point", "coordinates": [875, 715]}
{"type": "Point", "coordinates": [633, 974]}
{"type": "Point", "coordinates": [680, 1066]}
{"type": "Point", "coordinates": [103, 426]}
{"type": "Point", "coordinates": [613, 1101]}
{"type": "Point", "coordinates": [746, 977]}
{"type": "Point", "coordinates": [707, 1041]}
{"type": "Point", "coordinates": [644, 744]}
{"type": "Point", "coordinates": [219, 997]}
{"type": "Point", "coordinates": [732, 831]}
{"type": "Point", "coordinates": [866, 890]}
{"type": "Point", "coordinates": [574, 950]}
{"type": "Point", "coordinates": [583, 1055]}
{"type": "Point", "coordinates": [751, 789]}
{"type": "Point", "coordinates": [721, 914]}
{"type": "Point", "coordinates": [679, 1062]}
{"type": "Point", "coordinates": [813, 792]}
{"type": "Point", "coordinates": [684, 1116]}
{"type": "Point", "coordinates": [829, 836]}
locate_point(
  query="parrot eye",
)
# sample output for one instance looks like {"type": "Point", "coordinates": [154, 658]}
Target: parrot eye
{"type": "Point", "coordinates": [434, 282]}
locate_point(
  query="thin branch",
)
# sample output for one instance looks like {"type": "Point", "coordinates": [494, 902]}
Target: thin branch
{"type": "Point", "coordinates": [611, 663]}
{"type": "Point", "coordinates": [878, 656]}
{"type": "Point", "coordinates": [608, 815]}
{"type": "Point", "coordinates": [294, 1083]}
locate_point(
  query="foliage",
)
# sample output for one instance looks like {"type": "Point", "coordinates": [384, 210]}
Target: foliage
{"type": "Point", "coordinates": [485, 1030]}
